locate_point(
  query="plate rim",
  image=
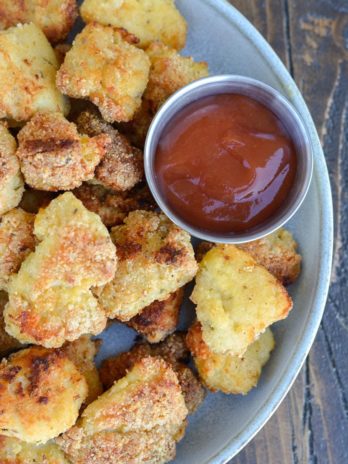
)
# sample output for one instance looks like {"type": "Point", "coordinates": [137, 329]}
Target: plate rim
{"type": "Point", "coordinates": [321, 178]}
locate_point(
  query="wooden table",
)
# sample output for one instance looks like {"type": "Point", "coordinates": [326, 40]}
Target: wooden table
{"type": "Point", "coordinates": [311, 425]}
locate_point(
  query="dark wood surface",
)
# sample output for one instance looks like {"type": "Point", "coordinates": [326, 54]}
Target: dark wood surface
{"type": "Point", "coordinates": [311, 425]}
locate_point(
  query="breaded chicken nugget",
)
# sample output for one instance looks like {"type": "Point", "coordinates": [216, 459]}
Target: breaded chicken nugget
{"type": "Point", "coordinates": [14, 451]}
{"type": "Point", "coordinates": [16, 242]}
{"type": "Point", "coordinates": [149, 20]}
{"type": "Point", "coordinates": [50, 299]}
{"type": "Point", "coordinates": [137, 129]}
{"type": "Point", "coordinates": [155, 258]}
{"type": "Point", "coordinates": [82, 353]}
{"type": "Point", "coordinates": [138, 420]}
{"type": "Point", "coordinates": [236, 299]}
{"type": "Point", "coordinates": [159, 319]}
{"type": "Point", "coordinates": [225, 372]}
{"type": "Point", "coordinates": [114, 207]}
{"type": "Point", "coordinates": [53, 156]}
{"type": "Point", "coordinates": [41, 392]}
{"type": "Point", "coordinates": [174, 351]}
{"type": "Point", "coordinates": [54, 17]}
{"type": "Point", "coordinates": [278, 253]}
{"type": "Point", "coordinates": [122, 167]}
{"type": "Point", "coordinates": [170, 72]}
{"type": "Point", "coordinates": [28, 67]}
{"type": "Point", "coordinates": [7, 343]}
{"type": "Point", "coordinates": [32, 200]}
{"type": "Point", "coordinates": [104, 67]}
{"type": "Point", "coordinates": [11, 182]}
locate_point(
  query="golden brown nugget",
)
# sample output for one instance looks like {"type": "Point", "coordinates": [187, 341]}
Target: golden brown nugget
{"type": "Point", "coordinates": [155, 258]}
{"type": "Point", "coordinates": [159, 319]}
{"type": "Point", "coordinates": [50, 300]}
{"type": "Point", "coordinates": [114, 207]}
{"type": "Point", "coordinates": [122, 166]}
{"type": "Point", "coordinates": [14, 451]}
{"type": "Point", "coordinates": [41, 392]}
{"type": "Point", "coordinates": [278, 253]}
{"type": "Point", "coordinates": [106, 68]}
{"type": "Point", "coordinates": [236, 299]}
{"type": "Point", "coordinates": [11, 181]}
{"type": "Point", "coordinates": [16, 242]}
{"type": "Point", "coordinates": [61, 50]}
{"type": "Point", "coordinates": [136, 129]}
{"type": "Point", "coordinates": [148, 20]}
{"type": "Point", "coordinates": [7, 343]}
{"type": "Point", "coordinates": [54, 17]}
{"type": "Point", "coordinates": [139, 419]}
{"type": "Point", "coordinates": [28, 67]}
{"type": "Point", "coordinates": [82, 353]}
{"type": "Point", "coordinates": [225, 372]}
{"type": "Point", "coordinates": [170, 72]}
{"type": "Point", "coordinates": [54, 156]}
{"type": "Point", "coordinates": [174, 351]}
{"type": "Point", "coordinates": [32, 200]}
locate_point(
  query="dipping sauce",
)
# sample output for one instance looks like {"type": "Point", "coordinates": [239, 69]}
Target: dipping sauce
{"type": "Point", "coordinates": [225, 163]}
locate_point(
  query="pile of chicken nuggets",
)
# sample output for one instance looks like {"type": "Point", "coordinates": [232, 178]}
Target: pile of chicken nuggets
{"type": "Point", "coordinates": [83, 244]}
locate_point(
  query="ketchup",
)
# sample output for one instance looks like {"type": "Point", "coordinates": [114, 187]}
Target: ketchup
{"type": "Point", "coordinates": [225, 163]}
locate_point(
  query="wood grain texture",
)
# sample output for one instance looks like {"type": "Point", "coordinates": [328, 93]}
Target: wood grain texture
{"type": "Point", "coordinates": [311, 425]}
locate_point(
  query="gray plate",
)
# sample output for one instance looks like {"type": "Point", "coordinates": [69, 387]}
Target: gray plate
{"type": "Point", "coordinates": [224, 424]}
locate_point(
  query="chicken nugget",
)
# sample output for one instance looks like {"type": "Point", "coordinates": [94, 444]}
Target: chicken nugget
{"type": "Point", "coordinates": [32, 200]}
{"type": "Point", "coordinates": [54, 17]}
{"type": "Point", "coordinates": [7, 343]}
{"type": "Point", "coordinates": [278, 253]}
{"type": "Point", "coordinates": [170, 72]}
{"type": "Point", "coordinates": [174, 351]}
{"type": "Point", "coordinates": [225, 372]}
{"type": "Point", "coordinates": [16, 242]}
{"type": "Point", "coordinates": [11, 182]}
{"type": "Point", "coordinates": [104, 67]}
{"type": "Point", "coordinates": [236, 299]}
{"type": "Point", "coordinates": [159, 319]}
{"type": "Point", "coordinates": [138, 419]}
{"type": "Point", "coordinates": [148, 20]}
{"type": "Point", "coordinates": [122, 166]}
{"type": "Point", "coordinates": [50, 300]}
{"type": "Point", "coordinates": [114, 207]}
{"type": "Point", "coordinates": [53, 156]}
{"type": "Point", "coordinates": [82, 353]}
{"type": "Point", "coordinates": [155, 258]}
{"type": "Point", "coordinates": [41, 392]}
{"type": "Point", "coordinates": [14, 451]}
{"type": "Point", "coordinates": [28, 67]}
{"type": "Point", "coordinates": [136, 130]}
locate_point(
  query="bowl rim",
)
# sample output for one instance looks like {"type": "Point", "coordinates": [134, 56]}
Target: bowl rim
{"type": "Point", "coordinates": [257, 90]}
{"type": "Point", "coordinates": [321, 178]}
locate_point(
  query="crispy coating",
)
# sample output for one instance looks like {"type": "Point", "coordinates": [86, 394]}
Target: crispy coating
{"type": "Point", "coordinates": [16, 242]}
{"type": "Point", "coordinates": [137, 420]}
{"type": "Point", "coordinates": [236, 299]}
{"type": "Point", "coordinates": [54, 17]}
{"type": "Point", "coordinates": [122, 167]}
{"type": "Point", "coordinates": [33, 200]}
{"type": "Point", "coordinates": [28, 67]}
{"type": "Point", "coordinates": [7, 343]}
{"type": "Point", "coordinates": [114, 207]}
{"type": "Point", "coordinates": [159, 319]}
{"type": "Point", "coordinates": [202, 249]}
{"type": "Point", "coordinates": [11, 182]}
{"type": "Point", "coordinates": [41, 392]}
{"type": "Point", "coordinates": [50, 301]}
{"type": "Point", "coordinates": [61, 50]}
{"type": "Point", "coordinates": [82, 353]}
{"type": "Point", "coordinates": [14, 451]}
{"type": "Point", "coordinates": [174, 351]}
{"type": "Point", "coordinates": [148, 20]}
{"type": "Point", "coordinates": [155, 258]}
{"type": "Point", "coordinates": [225, 372]}
{"type": "Point", "coordinates": [170, 72]}
{"type": "Point", "coordinates": [104, 67]}
{"type": "Point", "coordinates": [278, 253]}
{"type": "Point", "coordinates": [53, 156]}
{"type": "Point", "coordinates": [137, 129]}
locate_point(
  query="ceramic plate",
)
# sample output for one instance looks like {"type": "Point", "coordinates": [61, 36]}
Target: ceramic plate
{"type": "Point", "coordinates": [224, 424]}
